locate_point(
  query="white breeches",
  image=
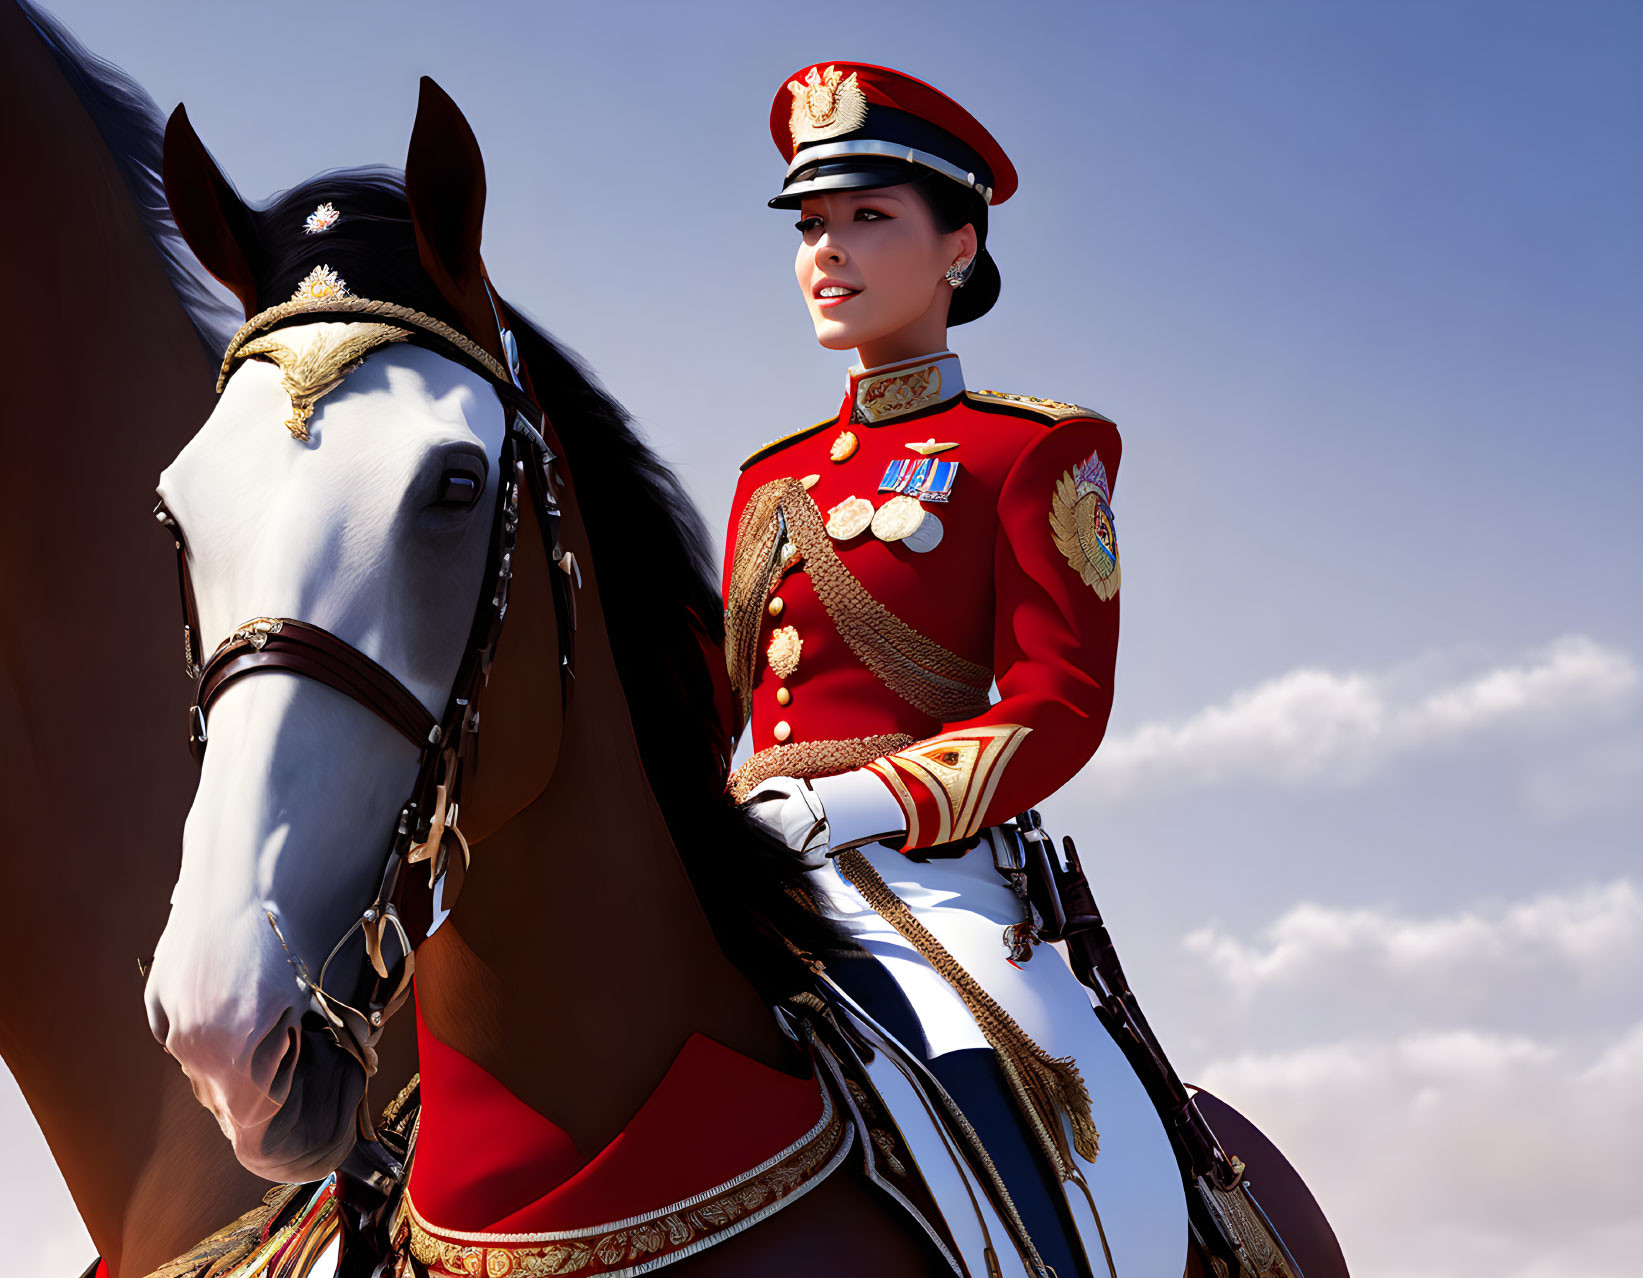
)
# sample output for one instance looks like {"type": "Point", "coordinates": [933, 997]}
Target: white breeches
{"type": "Point", "coordinates": [966, 904]}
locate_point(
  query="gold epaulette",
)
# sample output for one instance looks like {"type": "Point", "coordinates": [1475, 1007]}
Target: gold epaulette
{"type": "Point", "coordinates": [782, 441]}
{"type": "Point", "coordinates": [1053, 409]}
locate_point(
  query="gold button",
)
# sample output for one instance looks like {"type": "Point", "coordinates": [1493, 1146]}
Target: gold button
{"type": "Point", "coordinates": [783, 730]}
{"type": "Point", "coordinates": [775, 606]}
{"type": "Point", "coordinates": [783, 696]}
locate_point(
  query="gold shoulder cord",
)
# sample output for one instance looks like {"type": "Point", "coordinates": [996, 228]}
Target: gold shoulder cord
{"type": "Point", "coordinates": [1045, 1086]}
{"type": "Point", "coordinates": [932, 680]}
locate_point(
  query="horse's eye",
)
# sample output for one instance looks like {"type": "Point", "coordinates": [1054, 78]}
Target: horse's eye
{"type": "Point", "coordinates": [458, 489]}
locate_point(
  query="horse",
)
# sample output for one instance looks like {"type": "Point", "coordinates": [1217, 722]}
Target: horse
{"type": "Point", "coordinates": [750, 920]}
{"type": "Point", "coordinates": [109, 340]}
{"type": "Point", "coordinates": [604, 982]}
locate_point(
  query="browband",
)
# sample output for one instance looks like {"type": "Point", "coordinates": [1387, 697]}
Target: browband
{"type": "Point", "coordinates": [363, 306]}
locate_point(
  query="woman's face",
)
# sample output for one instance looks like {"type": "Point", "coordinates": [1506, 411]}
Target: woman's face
{"type": "Point", "coordinates": [871, 266]}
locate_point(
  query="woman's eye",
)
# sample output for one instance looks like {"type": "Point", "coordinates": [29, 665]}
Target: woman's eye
{"type": "Point", "coordinates": [869, 215]}
{"type": "Point", "coordinates": [458, 489]}
{"type": "Point", "coordinates": [805, 225]}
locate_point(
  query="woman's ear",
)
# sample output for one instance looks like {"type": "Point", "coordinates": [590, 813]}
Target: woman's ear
{"type": "Point", "coordinates": [966, 244]}
{"type": "Point", "coordinates": [445, 187]}
{"type": "Point", "coordinates": [212, 219]}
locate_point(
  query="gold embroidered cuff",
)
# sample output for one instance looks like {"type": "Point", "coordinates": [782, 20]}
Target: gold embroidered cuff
{"type": "Point", "coordinates": [945, 783]}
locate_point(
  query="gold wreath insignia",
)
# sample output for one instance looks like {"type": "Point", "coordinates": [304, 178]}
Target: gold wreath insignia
{"type": "Point", "coordinates": [825, 104]}
{"type": "Point", "coordinates": [1081, 524]}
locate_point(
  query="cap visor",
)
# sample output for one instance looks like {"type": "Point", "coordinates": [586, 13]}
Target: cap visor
{"type": "Point", "coordinates": [849, 176]}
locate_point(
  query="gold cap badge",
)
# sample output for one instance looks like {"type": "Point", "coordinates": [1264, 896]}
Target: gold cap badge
{"type": "Point", "coordinates": [825, 104]}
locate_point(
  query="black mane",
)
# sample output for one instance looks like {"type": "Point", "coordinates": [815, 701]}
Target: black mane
{"type": "Point", "coordinates": [134, 130]}
{"type": "Point", "coordinates": [657, 579]}
{"type": "Point", "coordinates": [657, 585]}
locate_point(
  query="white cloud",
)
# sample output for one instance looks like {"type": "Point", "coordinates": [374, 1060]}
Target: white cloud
{"type": "Point", "coordinates": [1587, 932]}
{"type": "Point", "coordinates": [1440, 1147]}
{"type": "Point", "coordinates": [1454, 1153]}
{"type": "Point", "coordinates": [1313, 725]}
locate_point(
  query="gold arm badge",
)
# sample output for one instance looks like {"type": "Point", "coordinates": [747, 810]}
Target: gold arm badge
{"type": "Point", "coordinates": [1081, 523]}
{"type": "Point", "coordinates": [825, 104]}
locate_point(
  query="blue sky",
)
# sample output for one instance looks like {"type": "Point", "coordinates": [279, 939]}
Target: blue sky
{"type": "Point", "coordinates": [1363, 285]}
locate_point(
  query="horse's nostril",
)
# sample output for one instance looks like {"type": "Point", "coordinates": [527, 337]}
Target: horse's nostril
{"type": "Point", "coordinates": [276, 1057]}
{"type": "Point", "coordinates": [159, 1024]}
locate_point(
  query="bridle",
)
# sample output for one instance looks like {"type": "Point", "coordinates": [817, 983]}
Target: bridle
{"type": "Point", "coordinates": [398, 918]}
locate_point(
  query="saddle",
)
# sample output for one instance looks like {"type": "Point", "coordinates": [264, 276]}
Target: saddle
{"type": "Point", "coordinates": [911, 1138]}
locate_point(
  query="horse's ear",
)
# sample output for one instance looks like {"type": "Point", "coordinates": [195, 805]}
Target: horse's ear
{"type": "Point", "coordinates": [445, 186]}
{"type": "Point", "coordinates": [209, 213]}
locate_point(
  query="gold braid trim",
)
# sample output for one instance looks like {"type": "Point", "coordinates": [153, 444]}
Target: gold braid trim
{"type": "Point", "coordinates": [641, 1243]}
{"type": "Point", "coordinates": [932, 680]}
{"type": "Point", "coordinates": [263, 320]}
{"type": "Point", "coordinates": [1045, 1086]}
{"type": "Point", "coordinates": [812, 759]}
{"type": "Point", "coordinates": [226, 1253]}
{"type": "Point", "coordinates": [232, 1243]}
{"type": "Point", "coordinates": [754, 569]}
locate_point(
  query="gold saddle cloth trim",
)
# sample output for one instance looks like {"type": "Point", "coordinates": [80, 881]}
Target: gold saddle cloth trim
{"type": "Point", "coordinates": [640, 1243]}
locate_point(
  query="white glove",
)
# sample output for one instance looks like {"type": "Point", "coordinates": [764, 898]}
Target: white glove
{"type": "Point", "coordinates": [789, 810]}
{"type": "Point", "coordinates": [828, 814]}
{"type": "Point", "coordinates": [859, 808]}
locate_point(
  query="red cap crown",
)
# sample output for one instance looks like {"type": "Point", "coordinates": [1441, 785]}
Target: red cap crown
{"type": "Point", "coordinates": [887, 115]}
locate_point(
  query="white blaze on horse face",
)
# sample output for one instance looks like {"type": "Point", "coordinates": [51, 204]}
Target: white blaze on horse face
{"type": "Point", "coordinates": [357, 530]}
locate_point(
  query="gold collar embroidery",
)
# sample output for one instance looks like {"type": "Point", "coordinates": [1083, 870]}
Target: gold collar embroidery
{"type": "Point", "coordinates": [878, 395]}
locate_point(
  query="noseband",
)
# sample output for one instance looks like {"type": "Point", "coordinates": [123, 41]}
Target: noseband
{"type": "Point", "coordinates": [426, 829]}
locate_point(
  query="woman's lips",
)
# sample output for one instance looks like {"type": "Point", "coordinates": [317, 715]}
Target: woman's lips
{"type": "Point", "coordinates": [845, 295]}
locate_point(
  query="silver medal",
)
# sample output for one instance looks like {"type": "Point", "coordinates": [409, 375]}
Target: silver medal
{"type": "Point", "coordinates": [927, 536]}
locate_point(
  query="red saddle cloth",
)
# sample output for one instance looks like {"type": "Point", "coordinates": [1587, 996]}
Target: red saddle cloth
{"type": "Point", "coordinates": [487, 1162]}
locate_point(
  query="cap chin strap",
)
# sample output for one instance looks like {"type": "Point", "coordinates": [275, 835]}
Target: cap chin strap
{"type": "Point", "coordinates": [813, 155]}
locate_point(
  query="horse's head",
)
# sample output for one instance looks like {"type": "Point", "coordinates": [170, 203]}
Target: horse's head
{"type": "Point", "coordinates": [361, 476]}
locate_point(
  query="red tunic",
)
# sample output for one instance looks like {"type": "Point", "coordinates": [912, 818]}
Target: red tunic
{"type": "Point", "coordinates": [1022, 587]}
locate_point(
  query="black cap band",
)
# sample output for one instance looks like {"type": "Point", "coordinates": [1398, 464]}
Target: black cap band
{"type": "Point", "coordinates": [882, 153]}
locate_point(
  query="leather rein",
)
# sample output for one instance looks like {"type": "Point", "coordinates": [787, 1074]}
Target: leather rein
{"type": "Point", "coordinates": [399, 918]}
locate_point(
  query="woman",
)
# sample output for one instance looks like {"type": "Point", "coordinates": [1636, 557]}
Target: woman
{"type": "Point", "coordinates": [884, 568]}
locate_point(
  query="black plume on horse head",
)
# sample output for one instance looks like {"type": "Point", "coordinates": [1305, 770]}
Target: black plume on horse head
{"type": "Point", "coordinates": [414, 240]}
